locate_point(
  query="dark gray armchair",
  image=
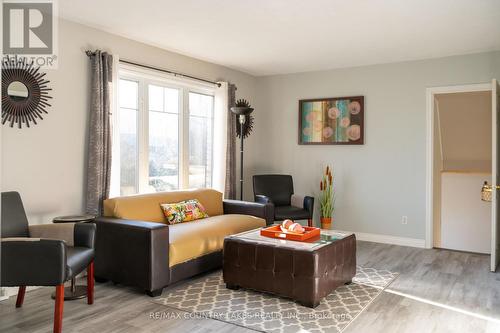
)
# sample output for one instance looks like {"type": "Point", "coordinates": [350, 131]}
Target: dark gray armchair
{"type": "Point", "coordinates": [278, 190]}
{"type": "Point", "coordinates": [45, 254]}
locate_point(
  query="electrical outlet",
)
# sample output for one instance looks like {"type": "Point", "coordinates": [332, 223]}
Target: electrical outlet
{"type": "Point", "coordinates": [404, 219]}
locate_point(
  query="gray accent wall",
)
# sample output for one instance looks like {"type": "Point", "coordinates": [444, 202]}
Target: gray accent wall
{"type": "Point", "coordinates": [384, 179]}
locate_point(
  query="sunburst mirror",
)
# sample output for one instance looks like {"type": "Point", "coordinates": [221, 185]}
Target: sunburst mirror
{"type": "Point", "coordinates": [25, 92]}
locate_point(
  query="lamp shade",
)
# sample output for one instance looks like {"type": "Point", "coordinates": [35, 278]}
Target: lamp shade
{"type": "Point", "coordinates": [241, 110]}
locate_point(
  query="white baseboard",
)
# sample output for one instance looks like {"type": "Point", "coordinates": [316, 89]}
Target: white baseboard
{"type": "Point", "coordinates": [386, 239]}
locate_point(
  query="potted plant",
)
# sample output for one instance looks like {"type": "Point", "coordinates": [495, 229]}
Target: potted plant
{"type": "Point", "coordinates": [327, 199]}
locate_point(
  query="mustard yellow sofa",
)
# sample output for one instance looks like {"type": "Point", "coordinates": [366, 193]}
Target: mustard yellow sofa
{"type": "Point", "coordinates": [135, 245]}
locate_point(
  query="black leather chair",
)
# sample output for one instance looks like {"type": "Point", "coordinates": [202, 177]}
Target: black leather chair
{"type": "Point", "coordinates": [278, 190]}
{"type": "Point", "coordinates": [45, 254]}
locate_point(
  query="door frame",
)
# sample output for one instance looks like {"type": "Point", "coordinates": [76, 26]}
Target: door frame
{"type": "Point", "coordinates": [429, 186]}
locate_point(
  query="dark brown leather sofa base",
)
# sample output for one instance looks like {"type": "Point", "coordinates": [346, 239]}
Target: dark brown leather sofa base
{"type": "Point", "coordinates": [303, 275]}
{"type": "Point", "coordinates": [136, 253]}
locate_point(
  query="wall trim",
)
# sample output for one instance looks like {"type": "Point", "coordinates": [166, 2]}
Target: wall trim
{"type": "Point", "coordinates": [387, 239]}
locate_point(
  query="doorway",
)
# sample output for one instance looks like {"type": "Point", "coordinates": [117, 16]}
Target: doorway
{"type": "Point", "coordinates": [462, 163]}
{"type": "Point", "coordinates": [461, 155]}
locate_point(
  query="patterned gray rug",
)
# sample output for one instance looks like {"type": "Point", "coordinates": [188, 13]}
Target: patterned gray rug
{"type": "Point", "coordinates": [208, 297]}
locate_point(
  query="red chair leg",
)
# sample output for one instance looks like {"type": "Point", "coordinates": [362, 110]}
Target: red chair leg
{"type": "Point", "coordinates": [309, 222]}
{"type": "Point", "coordinates": [20, 296]}
{"type": "Point", "coordinates": [58, 310]}
{"type": "Point", "coordinates": [90, 283]}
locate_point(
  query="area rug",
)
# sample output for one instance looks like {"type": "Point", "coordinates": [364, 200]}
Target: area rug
{"type": "Point", "coordinates": [208, 297]}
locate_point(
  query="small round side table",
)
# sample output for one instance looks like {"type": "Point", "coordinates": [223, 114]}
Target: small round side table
{"type": "Point", "coordinates": [73, 292]}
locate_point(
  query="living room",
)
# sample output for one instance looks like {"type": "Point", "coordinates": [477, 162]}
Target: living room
{"type": "Point", "coordinates": [322, 113]}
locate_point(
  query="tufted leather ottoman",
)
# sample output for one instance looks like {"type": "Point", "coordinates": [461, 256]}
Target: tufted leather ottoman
{"type": "Point", "coordinates": [305, 272]}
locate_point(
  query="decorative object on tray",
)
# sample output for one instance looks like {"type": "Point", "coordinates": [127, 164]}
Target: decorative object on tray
{"type": "Point", "coordinates": [279, 231]}
{"type": "Point", "coordinates": [245, 121]}
{"type": "Point", "coordinates": [331, 121]}
{"type": "Point", "coordinates": [290, 226]}
{"type": "Point", "coordinates": [327, 199]}
{"type": "Point", "coordinates": [25, 92]}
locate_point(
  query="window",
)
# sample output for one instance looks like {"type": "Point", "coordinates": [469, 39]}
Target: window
{"type": "Point", "coordinates": [200, 140]}
{"type": "Point", "coordinates": [165, 131]}
{"type": "Point", "coordinates": [129, 110]}
{"type": "Point", "coordinates": [163, 135]}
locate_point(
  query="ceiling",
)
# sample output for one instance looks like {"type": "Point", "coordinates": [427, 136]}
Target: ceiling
{"type": "Point", "coordinates": [264, 37]}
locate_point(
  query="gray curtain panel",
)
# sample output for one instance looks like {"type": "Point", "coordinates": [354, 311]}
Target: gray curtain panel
{"type": "Point", "coordinates": [99, 142]}
{"type": "Point", "coordinates": [230, 190]}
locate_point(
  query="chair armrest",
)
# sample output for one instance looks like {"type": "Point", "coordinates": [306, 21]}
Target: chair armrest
{"type": "Point", "coordinates": [309, 204]}
{"type": "Point", "coordinates": [33, 262]}
{"type": "Point", "coordinates": [303, 201]}
{"type": "Point", "coordinates": [132, 252]}
{"type": "Point", "coordinates": [265, 211]}
{"type": "Point", "coordinates": [84, 235]}
{"type": "Point", "coordinates": [260, 198]}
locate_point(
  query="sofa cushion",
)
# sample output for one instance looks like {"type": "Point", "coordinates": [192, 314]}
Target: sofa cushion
{"type": "Point", "coordinates": [146, 207]}
{"type": "Point", "coordinates": [193, 239]}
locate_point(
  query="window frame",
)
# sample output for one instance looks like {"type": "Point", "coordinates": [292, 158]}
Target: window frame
{"type": "Point", "coordinates": [212, 127]}
{"type": "Point", "coordinates": [144, 78]}
{"type": "Point", "coordinates": [116, 135]}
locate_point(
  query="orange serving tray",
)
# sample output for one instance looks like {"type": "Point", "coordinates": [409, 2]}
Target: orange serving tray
{"type": "Point", "coordinates": [276, 232]}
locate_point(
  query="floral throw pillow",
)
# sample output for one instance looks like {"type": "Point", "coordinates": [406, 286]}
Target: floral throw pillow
{"type": "Point", "coordinates": [183, 211]}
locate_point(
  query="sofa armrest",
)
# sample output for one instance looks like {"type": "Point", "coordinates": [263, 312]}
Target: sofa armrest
{"type": "Point", "coordinates": [132, 252]}
{"type": "Point", "coordinates": [260, 198]}
{"type": "Point", "coordinates": [33, 262]}
{"type": "Point", "coordinates": [265, 211]}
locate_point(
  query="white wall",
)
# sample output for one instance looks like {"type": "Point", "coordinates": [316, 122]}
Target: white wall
{"type": "Point", "coordinates": [46, 163]}
{"type": "Point", "coordinates": [465, 219]}
{"type": "Point", "coordinates": [465, 121]}
{"type": "Point", "coordinates": [381, 181]}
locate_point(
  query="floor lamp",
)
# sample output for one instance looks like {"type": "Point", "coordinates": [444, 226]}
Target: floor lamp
{"type": "Point", "coordinates": [242, 110]}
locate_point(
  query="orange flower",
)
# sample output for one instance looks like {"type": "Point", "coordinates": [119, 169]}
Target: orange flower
{"type": "Point", "coordinates": [321, 185]}
{"type": "Point", "coordinates": [330, 179]}
{"type": "Point", "coordinates": [327, 170]}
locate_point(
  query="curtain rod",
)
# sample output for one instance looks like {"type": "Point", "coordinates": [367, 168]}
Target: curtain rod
{"type": "Point", "coordinates": [90, 53]}
{"type": "Point", "coordinates": [169, 72]}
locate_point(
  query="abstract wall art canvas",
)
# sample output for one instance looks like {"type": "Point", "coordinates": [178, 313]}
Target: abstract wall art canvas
{"type": "Point", "coordinates": [331, 121]}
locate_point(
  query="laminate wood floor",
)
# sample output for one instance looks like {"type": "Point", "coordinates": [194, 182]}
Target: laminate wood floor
{"type": "Point", "coordinates": [437, 291]}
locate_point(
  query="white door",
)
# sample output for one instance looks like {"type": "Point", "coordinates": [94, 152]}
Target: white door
{"type": "Point", "coordinates": [495, 175]}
